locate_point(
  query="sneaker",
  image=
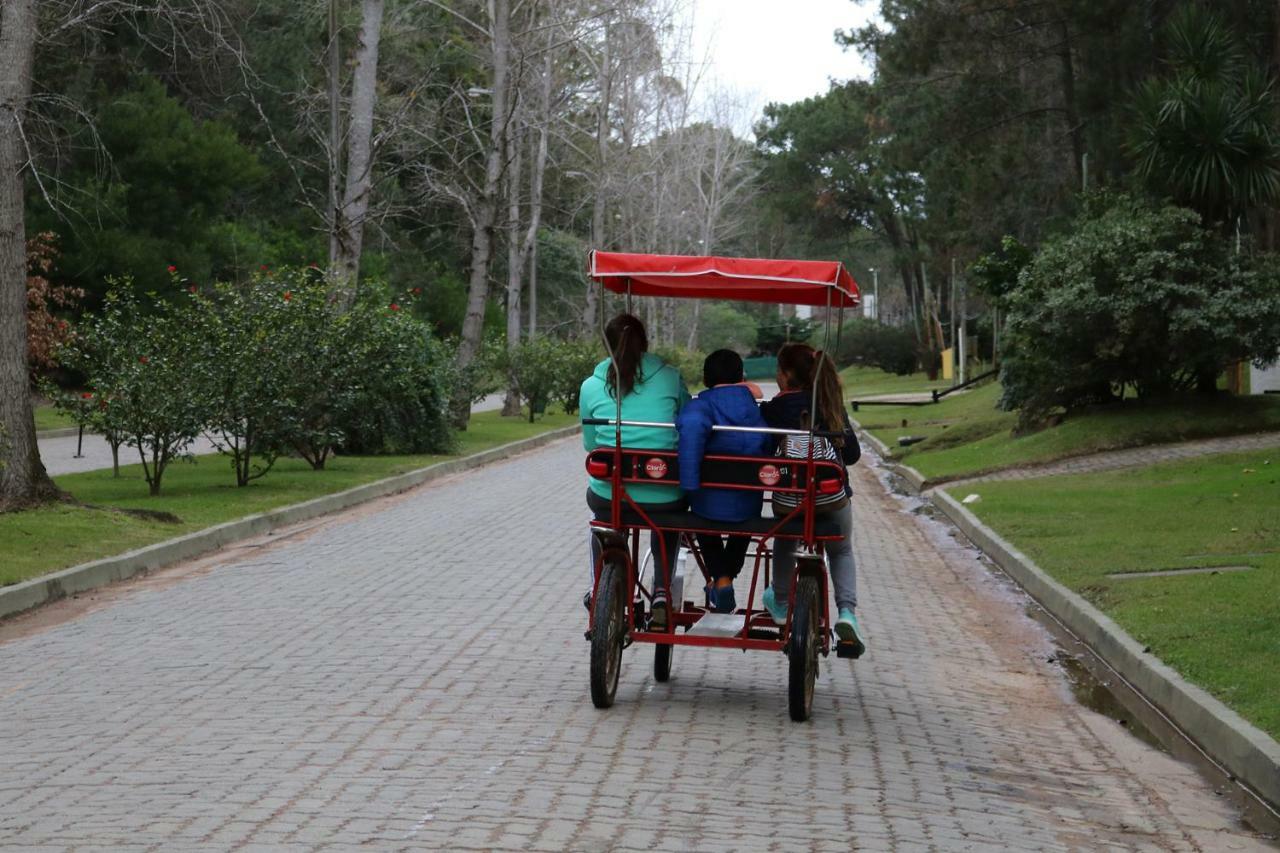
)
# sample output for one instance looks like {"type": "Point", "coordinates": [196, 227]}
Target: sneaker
{"type": "Point", "coordinates": [847, 630]}
{"type": "Point", "coordinates": [726, 601]}
{"type": "Point", "coordinates": [658, 616]}
{"type": "Point", "coordinates": [586, 600]}
{"type": "Point", "coordinates": [777, 612]}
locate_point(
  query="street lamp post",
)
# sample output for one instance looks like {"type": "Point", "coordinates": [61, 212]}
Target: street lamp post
{"type": "Point", "coordinates": [875, 289]}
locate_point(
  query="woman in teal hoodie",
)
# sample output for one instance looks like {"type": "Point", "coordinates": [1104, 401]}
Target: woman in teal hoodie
{"type": "Point", "coordinates": [651, 390]}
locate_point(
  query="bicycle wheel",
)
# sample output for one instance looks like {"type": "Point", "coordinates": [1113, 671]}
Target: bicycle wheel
{"type": "Point", "coordinates": [608, 631]}
{"type": "Point", "coordinates": [803, 648]}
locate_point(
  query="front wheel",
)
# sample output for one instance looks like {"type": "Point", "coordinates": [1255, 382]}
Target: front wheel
{"type": "Point", "coordinates": [803, 648]}
{"type": "Point", "coordinates": [662, 662]}
{"type": "Point", "coordinates": [609, 613]}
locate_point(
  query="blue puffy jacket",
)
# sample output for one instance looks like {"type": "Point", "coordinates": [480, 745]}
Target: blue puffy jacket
{"type": "Point", "coordinates": [727, 405]}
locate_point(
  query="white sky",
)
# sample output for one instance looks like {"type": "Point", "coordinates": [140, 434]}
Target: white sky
{"type": "Point", "coordinates": [778, 50]}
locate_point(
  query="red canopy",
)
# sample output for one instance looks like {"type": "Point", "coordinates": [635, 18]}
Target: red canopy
{"type": "Point", "coordinates": [710, 277]}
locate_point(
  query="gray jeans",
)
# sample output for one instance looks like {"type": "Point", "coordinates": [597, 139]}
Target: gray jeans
{"type": "Point", "coordinates": [840, 563]}
{"type": "Point", "coordinates": [601, 507]}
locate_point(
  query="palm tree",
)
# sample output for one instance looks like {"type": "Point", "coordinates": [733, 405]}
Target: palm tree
{"type": "Point", "coordinates": [1205, 132]}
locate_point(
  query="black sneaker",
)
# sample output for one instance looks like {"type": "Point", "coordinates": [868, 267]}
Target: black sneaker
{"type": "Point", "coordinates": [586, 600]}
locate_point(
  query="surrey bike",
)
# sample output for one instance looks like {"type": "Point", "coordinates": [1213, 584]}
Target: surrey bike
{"type": "Point", "coordinates": [621, 602]}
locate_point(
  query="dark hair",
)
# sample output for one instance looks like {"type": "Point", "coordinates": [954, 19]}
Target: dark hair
{"type": "Point", "coordinates": [722, 367]}
{"type": "Point", "coordinates": [803, 366]}
{"type": "Point", "coordinates": [627, 345]}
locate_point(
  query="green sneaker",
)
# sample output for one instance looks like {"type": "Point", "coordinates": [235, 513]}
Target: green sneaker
{"type": "Point", "coordinates": [777, 612]}
{"type": "Point", "coordinates": [847, 631]}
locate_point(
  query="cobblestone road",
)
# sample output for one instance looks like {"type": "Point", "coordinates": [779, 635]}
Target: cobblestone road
{"type": "Point", "coordinates": [412, 675]}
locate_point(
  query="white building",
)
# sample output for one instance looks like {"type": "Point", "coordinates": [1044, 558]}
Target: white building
{"type": "Point", "coordinates": [1261, 381]}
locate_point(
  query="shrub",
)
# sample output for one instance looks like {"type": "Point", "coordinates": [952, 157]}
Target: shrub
{"type": "Point", "coordinates": [873, 344]}
{"type": "Point", "coordinates": [687, 361]}
{"type": "Point", "coordinates": [725, 327]}
{"type": "Point", "coordinates": [369, 380]}
{"type": "Point", "coordinates": [46, 331]}
{"type": "Point", "coordinates": [578, 359]}
{"type": "Point", "coordinates": [138, 362]}
{"type": "Point", "coordinates": [1135, 296]}
{"type": "Point", "coordinates": [243, 375]}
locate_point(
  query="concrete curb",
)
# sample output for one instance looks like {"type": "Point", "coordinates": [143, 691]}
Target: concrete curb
{"type": "Point", "coordinates": [1247, 752]}
{"type": "Point", "coordinates": [87, 576]}
{"type": "Point", "coordinates": [915, 481]}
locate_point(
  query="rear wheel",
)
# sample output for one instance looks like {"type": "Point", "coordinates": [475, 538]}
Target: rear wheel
{"type": "Point", "coordinates": [803, 648]}
{"type": "Point", "coordinates": [662, 662]}
{"type": "Point", "coordinates": [608, 631]}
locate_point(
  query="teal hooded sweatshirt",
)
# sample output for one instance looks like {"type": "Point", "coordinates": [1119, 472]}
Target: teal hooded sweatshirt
{"type": "Point", "coordinates": [658, 396]}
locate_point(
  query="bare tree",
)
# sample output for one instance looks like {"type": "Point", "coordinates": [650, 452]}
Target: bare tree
{"type": "Point", "coordinates": [23, 480]}
{"type": "Point", "coordinates": [23, 25]}
{"type": "Point", "coordinates": [348, 215]}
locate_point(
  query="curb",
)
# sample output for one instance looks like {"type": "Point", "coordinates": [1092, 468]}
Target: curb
{"type": "Point", "coordinates": [88, 576]}
{"type": "Point", "coordinates": [915, 481]}
{"type": "Point", "coordinates": [1245, 751]}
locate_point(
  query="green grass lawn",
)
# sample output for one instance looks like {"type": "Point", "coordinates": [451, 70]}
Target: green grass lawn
{"type": "Point", "coordinates": [1221, 631]}
{"type": "Point", "coordinates": [862, 382]}
{"type": "Point", "coordinates": [966, 434]}
{"type": "Point", "coordinates": [203, 494]}
{"type": "Point", "coordinates": [47, 417]}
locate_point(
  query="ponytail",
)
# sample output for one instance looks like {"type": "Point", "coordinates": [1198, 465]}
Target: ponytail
{"type": "Point", "coordinates": [804, 368]}
{"type": "Point", "coordinates": [628, 343]}
{"type": "Point", "coordinates": [830, 395]}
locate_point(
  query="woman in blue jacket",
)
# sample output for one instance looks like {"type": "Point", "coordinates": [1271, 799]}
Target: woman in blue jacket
{"type": "Point", "coordinates": [726, 402]}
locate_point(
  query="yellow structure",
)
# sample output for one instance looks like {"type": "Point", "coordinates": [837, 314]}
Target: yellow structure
{"type": "Point", "coordinates": [948, 363]}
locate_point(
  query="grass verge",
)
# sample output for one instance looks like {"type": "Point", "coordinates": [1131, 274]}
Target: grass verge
{"type": "Point", "coordinates": [204, 494]}
{"type": "Point", "coordinates": [863, 382]}
{"type": "Point", "coordinates": [966, 435]}
{"type": "Point", "coordinates": [47, 417]}
{"type": "Point", "coordinates": [1220, 631]}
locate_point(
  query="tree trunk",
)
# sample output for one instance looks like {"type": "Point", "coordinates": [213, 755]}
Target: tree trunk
{"type": "Point", "coordinates": [23, 480]}
{"type": "Point", "coordinates": [1075, 131]}
{"type": "Point", "coordinates": [515, 279]}
{"type": "Point", "coordinates": [538, 171]}
{"type": "Point", "coordinates": [335, 136]}
{"type": "Point", "coordinates": [486, 209]}
{"type": "Point", "coordinates": [350, 217]}
{"type": "Point", "coordinates": [602, 164]}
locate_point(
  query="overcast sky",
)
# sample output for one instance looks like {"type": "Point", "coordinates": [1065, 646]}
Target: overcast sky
{"type": "Point", "coordinates": [779, 50]}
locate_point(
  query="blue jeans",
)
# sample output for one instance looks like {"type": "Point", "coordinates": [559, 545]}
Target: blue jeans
{"type": "Point", "coordinates": [840, 563]}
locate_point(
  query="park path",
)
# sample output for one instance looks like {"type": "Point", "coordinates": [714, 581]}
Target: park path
{"type": "Point", "coordinates": [412, 675]}
{"type": "Point", "coordinates": [59, 453]}
{"type": "Point", "coordinates": [1133, 457]}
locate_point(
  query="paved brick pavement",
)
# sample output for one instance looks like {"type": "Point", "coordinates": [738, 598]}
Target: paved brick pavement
{"type": "Point", "coordinates": [1134, 457]}
{"type": "Point", "coordinates": [412, 675]}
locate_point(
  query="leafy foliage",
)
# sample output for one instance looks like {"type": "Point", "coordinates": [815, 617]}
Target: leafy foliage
{"type": "Point", "coordinates": [1206, 130]}
{"type": "Point", "coordinates": [1135, 296]}
{"type": "Point", "coordinates": [46, 331]}
{"type": "Point", "coordinates": [874, 344]}
{"type": "Point", "coordinates": [137, 358]}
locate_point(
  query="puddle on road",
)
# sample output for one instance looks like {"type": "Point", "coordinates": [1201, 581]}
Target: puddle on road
{"type": "Point", "coordinates": [1092, 682]}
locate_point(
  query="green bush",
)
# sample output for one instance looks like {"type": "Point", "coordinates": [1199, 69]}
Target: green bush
{"type": "Point", "coordinates": [687, 361]}
{"type": "Point", "coordinates": [1135, 296]}
{"type": "Point", "coordinates": [869, 343]}
{"type": "Point", "coordinates": [577, 359]}
{"type": "Point", "coordinates": [141, 366]}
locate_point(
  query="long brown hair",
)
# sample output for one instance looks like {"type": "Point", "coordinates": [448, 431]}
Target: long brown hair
{"type": "Point", "coordinates": [804, 367]}
{"type": "Point", "coordinates": [628, 343]}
